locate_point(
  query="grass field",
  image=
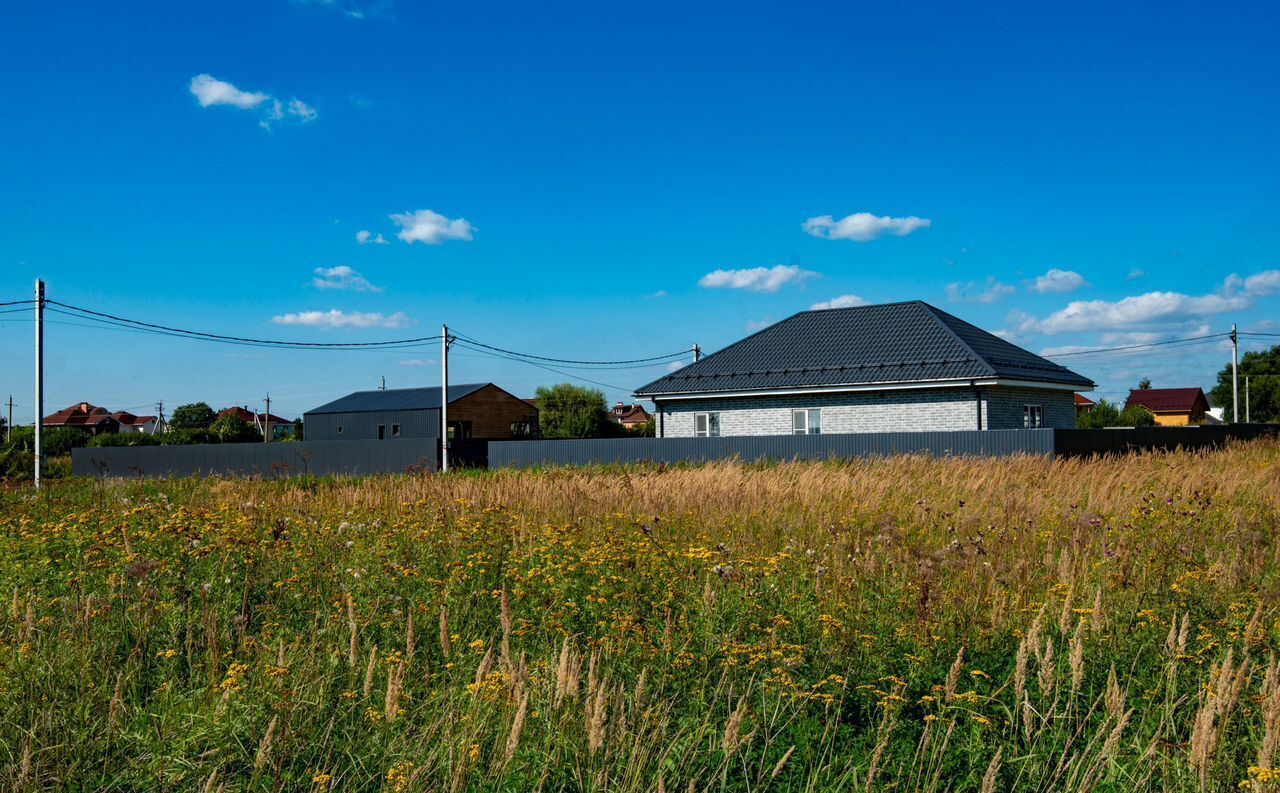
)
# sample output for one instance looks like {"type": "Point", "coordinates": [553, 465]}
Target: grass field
{"type": "Point", "coordinates": [905, 624]}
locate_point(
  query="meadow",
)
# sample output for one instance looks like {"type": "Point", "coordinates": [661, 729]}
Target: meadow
{"type": "Point", "coordinates": [904, 624]}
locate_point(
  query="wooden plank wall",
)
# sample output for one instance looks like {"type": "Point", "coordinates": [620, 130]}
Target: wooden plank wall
{"type": "Point", "coordinates": [491, 412]}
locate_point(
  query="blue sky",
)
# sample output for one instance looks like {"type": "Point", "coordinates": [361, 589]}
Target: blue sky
{"type": "Point", "coordinates": [603, 181]}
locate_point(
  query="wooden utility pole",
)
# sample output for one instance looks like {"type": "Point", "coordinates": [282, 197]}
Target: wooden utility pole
{"type": "Point", "coordinates": [8, 425]}
{"type": "Point", "coordinates": [697, 353]}
{"type": "Point", "coordinates": [1235, 375]}
{"type": "Point", "coordinates": [266, 422]}
{"type": "Point", "coordinates": [39, 421]}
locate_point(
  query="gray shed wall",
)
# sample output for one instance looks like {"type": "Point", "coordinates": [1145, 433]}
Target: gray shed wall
{"type": "Point", "coordinates": [269, 460]}
{"type": "Point", "coordinates": [423, 423]}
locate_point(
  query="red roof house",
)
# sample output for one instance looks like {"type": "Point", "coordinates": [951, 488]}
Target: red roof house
{"type": "Point", "coordinates": [278, 425]}
{"type": "Point", "coordinates": [1173, 407]}
{"type": "Point", "coordinates": [1084, 404]}
{"type": "Point", "coordinates": [629, 416]}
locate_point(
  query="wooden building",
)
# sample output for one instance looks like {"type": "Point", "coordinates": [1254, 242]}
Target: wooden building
{"type": "Point", "coordinates": [1172, 407]}
{"type": "Point", "coordinates": [476, 410]}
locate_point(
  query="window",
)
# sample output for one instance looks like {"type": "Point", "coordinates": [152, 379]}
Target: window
{"type": "Point", "coordinates": [807, 421]}
{"type": "Point", "coordinates": [706, 425]}
{"type": "Point", "coordinates": [339, 429]}
{"type": "Point", "coordinates": [382, 432]}
{"type": "Point", "coordinates": [1032, 417]}
{"type": "Point", "coordinates": [395, 430]}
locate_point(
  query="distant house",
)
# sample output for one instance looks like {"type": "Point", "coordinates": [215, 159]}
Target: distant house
{"type": "Point", "coordinates": [1172, 407]}
{"type": "Point", "coordinates": [476, 410]}
{"type": "Point", "coordinates": [896, 367]}
{"type": "Point", "coordinates": [280, 427]}
{"type": "Point", "coordinates": [84, 416]}
{"type": "Point", "coordinates": [1084, 404]}
{"type": "Point", "coordinates": [147, 425]}
{"type": "Point", "coordinates": [630, 416]}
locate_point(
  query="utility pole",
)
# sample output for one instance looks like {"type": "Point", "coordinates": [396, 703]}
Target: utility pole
{"type": "Point", "coordinates": [1235, 375]}
{"type": "Point", "coordinates": [266, 422]}
{"type": "Point", "coordinates": [159, 418]}
{"type": "Point", "coordinates": [383, 387]}
{"type": "Point", "coordinates": [39, 422]}
{"type": "Point", "coordinates": [444, 397]}
{"type": "Point", "coordinates": [697, 353]}
{"type": "Point", "coordinates": [8, 425]}
{"type": "Point", "coordinates": [1246, 399]}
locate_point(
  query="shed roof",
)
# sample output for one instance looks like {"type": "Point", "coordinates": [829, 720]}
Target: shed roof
{"type": "Point", "coordinates": [895, 342]}
{"type": "Point", "coordinates": [396, 399]}
{"type": "Point", "coordinates": [1169, 400]}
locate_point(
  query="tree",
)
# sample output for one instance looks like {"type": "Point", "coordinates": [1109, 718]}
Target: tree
{"type": "Point", "coordinates": [230, 429]}
{"type": "Point", "coordinates": [196, 416]}
{"type": "Point", "coordinates": [1144, 384]}
{"type": "Point", "coordinates": [570, 411]}
{"type": "Point", "coordinates": [1106, 414]}
{"type": "Point", "coordinates": [1262, 367]}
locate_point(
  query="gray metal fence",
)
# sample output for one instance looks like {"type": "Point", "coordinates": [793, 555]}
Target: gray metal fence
{"type": "Point", "coordinates": [991, 443]}
{"type": "Point", "coordinates": [269, 460]}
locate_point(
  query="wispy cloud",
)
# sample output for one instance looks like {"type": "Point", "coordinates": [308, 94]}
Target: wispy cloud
{"type": "Point", "coordinates": [209, 91]}
{"type": "Point", "coordinates": [1260, 285]}
{"type": "Point", "coordinates": [978, 292]}
{"type": "Point", "coordinates": [417, 362]}
{"type": "Point", "coordinates": [342, 277]}
{"type": "Point", "coordinates": [1135, 274]}
{"type": "Point", "coordinates": [676, 366]}
{"type": "Point", "coordinates": [364, 237]}
{"type": "Point", "coordinates": [333, 318]}
{"type": "Point", "coordinates": [754, 325]}
{"type": "Point", "coordinates": [430, 227]}
{"type": "Point", "coordinates": [862, 226]}
{"type": "Point", "coordinates": [843, 301]}
{"type": "Point", "coordinates": [354, 9]}
{"type": "Point", "coordinates": [756, 279]}
{"type": "Point", "coordinates": [1058, 282]}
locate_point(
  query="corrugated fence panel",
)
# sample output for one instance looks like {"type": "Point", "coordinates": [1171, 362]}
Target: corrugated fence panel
{"type": "Point", "coordinates": [518, 454]}
{"type": "Point", "coordinates": [269, 460]}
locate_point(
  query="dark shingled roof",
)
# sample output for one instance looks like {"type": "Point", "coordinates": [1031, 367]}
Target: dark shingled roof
{"type": "Point", "coordinates": [895, 342]}
{"type": "Point", "coordinates": [1169, 400]}
{"type": "Point", "coordinates": [396, 399]}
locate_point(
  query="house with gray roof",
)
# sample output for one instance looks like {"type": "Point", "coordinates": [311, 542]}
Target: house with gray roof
{"type": "Point", "coordinates": [897, 367]}
{"type": "Point", "coordinates": [476, 411]}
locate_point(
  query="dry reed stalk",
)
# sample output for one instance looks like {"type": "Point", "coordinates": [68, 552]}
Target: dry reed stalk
{"type": "Point", "coordinates": [1115, 697]}
{"type": "Point", "coordinates": [777, 769]}
{"type": "Point", "coordinates": [1076, 657]}
{"type": "Point", "coordinates": [368, 671]}
{"type": "Point", "coordinates": [883, 733]}
{"type": "Point", "coordinates": [504, 620]}
{"type": "Point", "coordinates": [597, 713]}
{"type": "Point", "coordinates": [1095, 617]}
{"type": "Point", "coordinates": [1028, 719]}
{"type": "Point", "coordinates": [24, 765]}
{"type": "Point", "coordinates": [1214, 713]}
{"type": "Point", "coordinates": [637, 694]}
{"type": "Point", "coordinates": [280, 653]}
{"type": "Point", "coordinates": [446, 646]}
{"type": "Point", "coordinates": [1270, 707]}
{"type": "Point", "coordinates": [1020, 676]}
{"type": "Point", "coordinates": [1045, 667]}
{"type": "Point", "coordinates": [408, 635]}
{"type": "Point", "coordinates": [953, 676]}
{"type": "Point", "coordinates": [485, 666]}
{"type": "Point", "coordinates": [563, 674]}
{"type": "Point", "coordinates": [14, 609]}
{"type": "Point", "coordinates": [115, 709]}
{"type": "Point", "coordinates": [517, 725]}
{"type": "Point", "coordinates": [395, 687]}
{"type": "Point", "coordinates": [733, 729]}
{"type": "Point", "coordinates": [210, 784]}
{"type": "Point", "coordinates": [1064, 617]}
{"type": "Point", "coordinates": [353, 649]}
{"type": "Point", "coordinates": [265, 746]}
{"type": "Point", "coordinates": [992, 773]}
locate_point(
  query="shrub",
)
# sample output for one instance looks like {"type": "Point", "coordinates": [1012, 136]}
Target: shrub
{"type": "Point", "coordinates": [187, 437]}
{"type": "Point", "coordinates": [124, 439]}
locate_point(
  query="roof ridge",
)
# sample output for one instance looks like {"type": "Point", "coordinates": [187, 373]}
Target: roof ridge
{"type": "Point", "coordinates": [933, 312]}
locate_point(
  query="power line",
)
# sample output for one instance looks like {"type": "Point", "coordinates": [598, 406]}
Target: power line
{"type": "Point", "coordinates": [1148, 345]}
{"type": "Point", "coordinates": [654, 359]}
{"type": "Point", "coordinates": [570, 375]}
{"type": "Point", "coordinates": [28, 301]}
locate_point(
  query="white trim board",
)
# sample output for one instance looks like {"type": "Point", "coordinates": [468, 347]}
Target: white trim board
{"type": "Point", "coordinates": [863, 387]}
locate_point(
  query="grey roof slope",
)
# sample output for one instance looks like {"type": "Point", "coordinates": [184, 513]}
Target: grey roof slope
{"type": "Point", "coordinates": [396, 399]}
{"type": "Point", "coordinates": [894, 342]}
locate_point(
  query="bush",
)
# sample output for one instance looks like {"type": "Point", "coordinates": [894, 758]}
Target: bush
{"type": "Point", "coordinates": [230, 429]}
{"type": "Point", "coordinates": [1106, 414]}
{"type": "Point", "coordinates": [188, 437]}
{"type": "Point", "coordinates": [124, 439]}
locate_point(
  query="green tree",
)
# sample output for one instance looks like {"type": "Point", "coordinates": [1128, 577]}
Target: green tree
{"type": "Point", "coordinates": [1144, 384]}
{"type": "Point", "coordinates": [230, 429]}
{"type": "Point", "coordinates": [570, 411]}
{"type": "Point", "coordinates": [1137, 416]}
{"type": "Point", "coordinates": [196, 416]}
{"type": "Point", "coordinates": [1262, 367]}
{"type": "Point", "coordinates": [1107, 414]}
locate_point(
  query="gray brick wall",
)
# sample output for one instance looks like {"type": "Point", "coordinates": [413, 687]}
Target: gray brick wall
{"type": "Point", "coordinates": [925, 409]}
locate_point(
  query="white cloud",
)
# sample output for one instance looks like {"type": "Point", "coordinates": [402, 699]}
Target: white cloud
{"type": "Point", "coordinates": [862, 226]}
{"type": "Point", "coordinates": [431, 227]}
{"type": "Point", "coordinates": [844, 301]}
{"type": "Point", "coordinates": [974, 292]}
{"type": "Point", "coordinates": [661, 293]}
{"type": "Point", "coordinates": [342, 277]}
{"type": "Point", "coordinates": [755, 279]}
{"type": "Point", "coordinates": [417, 362]}
{"type": "Point", "coordinates": [1089, 315]}
{"type": "Point", "coordinates": [1262, 284]}
{"type": "Point", "coordinates": [675, 366]}
{"type": "Point", "coordinates": [1135, 274]}
{"type": "Point", "coordinates": [210, 91]}
{"type": "Point", "coordinates": [302, 110]}
{"type": "Point", "coordinates": [754, 325]}
{"type": "Point", "coordinates": [1058, 282]}
{"type": "Point", "coordinates": [333, 318]}
{"type": "Point", "coordinates": [364, 236]}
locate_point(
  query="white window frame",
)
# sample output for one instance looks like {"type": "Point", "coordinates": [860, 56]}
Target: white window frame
{"type": "Point", "coordinates": [812, 421]}
{"type": "Point", "coordinates": [1032, 417]}
{"type": "Point", "coordinates": [710, 421]}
